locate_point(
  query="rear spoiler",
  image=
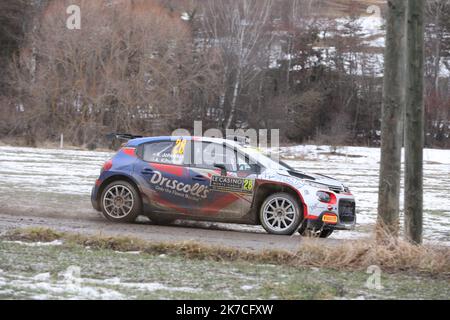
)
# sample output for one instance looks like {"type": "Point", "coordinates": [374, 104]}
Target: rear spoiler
{"type": "Point", "coordinates": [119, 140]}
{"type": "Point", "coordinates": [122, 136]}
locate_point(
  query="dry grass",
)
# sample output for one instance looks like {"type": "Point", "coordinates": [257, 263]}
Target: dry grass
{"type": "Point", "coordinates": [392, 256]}
{"type": "Point", "coordinates": [34, 235]}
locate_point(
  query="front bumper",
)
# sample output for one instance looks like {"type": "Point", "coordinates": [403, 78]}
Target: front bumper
{"type": "Point", "coordinates": [317, 223]}
{"type": "Point", "coordinates": [344, 215]}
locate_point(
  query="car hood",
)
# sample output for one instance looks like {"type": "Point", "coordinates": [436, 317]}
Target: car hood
{"type": "Point", "coordinates": [316, 177]}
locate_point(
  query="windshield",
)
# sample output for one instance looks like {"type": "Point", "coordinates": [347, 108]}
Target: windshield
{"type": "Point", "coordinates": [264, 159]}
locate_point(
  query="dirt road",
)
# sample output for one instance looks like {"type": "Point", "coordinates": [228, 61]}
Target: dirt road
{"type": "Point", "coordinates": [53, 183]}
{"type": "Point", "coordinates": [250, 238]}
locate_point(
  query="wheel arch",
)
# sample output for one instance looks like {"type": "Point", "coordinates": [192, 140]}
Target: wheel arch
{"type": "Point", "coordinates": [117, 177]}
{"type": "Point", "coordinates": [267, 188]}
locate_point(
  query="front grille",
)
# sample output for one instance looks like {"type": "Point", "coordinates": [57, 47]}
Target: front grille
{"type": "Point", "coordinates": [347, 211]}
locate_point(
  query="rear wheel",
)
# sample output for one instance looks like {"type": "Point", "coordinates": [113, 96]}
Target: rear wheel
{"type": "Point", "coordinates": [120, 202]}
{"type": "Point", "coordinates": [280, 214]}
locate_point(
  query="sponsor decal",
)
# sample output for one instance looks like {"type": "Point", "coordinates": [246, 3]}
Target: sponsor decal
{"type": "Point", "coordinates": [194, 192]}
{"type": "Point", "coordinates": [274, 176]}
{"type": "Point", "coordinates": [180, 145]}
{"type": "Point", "coordinates": [231, 184]}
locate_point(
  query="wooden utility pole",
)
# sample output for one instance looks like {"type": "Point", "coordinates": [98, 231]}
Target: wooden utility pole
{"type": "Point", "coordinates": [414, 121]}
{"type": "Point", "coordinates": [392, 120]}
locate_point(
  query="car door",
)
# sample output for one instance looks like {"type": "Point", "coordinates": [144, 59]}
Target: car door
{"type": "Point", "coordinates": [229, 197]}
{"type": "Point", "coordinates": [163, 171]}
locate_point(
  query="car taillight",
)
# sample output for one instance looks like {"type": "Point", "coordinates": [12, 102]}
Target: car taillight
{"type": "Point", "coordinates": [106, 166]}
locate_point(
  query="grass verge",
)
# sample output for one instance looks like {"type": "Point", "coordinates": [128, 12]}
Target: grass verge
{"type": "Point", "coordinates": [70, 271]}
{"type": "Point", "coordinates": [392, 257]}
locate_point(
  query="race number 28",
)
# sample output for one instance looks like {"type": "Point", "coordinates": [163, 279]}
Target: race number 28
{"type": "Point", "coordinates": [248, 185]}
{"type": "Point", "coordinates": [180, 145]}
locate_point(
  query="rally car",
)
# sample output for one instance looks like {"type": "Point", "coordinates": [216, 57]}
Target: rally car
{"type": "Point", "coordinates": [220, 180]}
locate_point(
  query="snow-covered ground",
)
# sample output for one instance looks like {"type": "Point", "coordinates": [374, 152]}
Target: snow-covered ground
{"type": "Point", "coordinates": [369, 30]}
{"type": "Point", "coordinates": [69, 284]}
{"type": "Point", "coordinates": [74, 272]}
{"type": "Point", "coordinates": [51, 170]}
{"type": "Point", "coordinates": [358, 167]}
{"type": "Point", "coordinates": [55, 178]}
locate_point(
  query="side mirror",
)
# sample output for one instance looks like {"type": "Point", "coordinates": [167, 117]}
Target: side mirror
{"type": "Point", "coordinates": [223, 169]}
{"type": "Point", "coordinates": [250, 168]}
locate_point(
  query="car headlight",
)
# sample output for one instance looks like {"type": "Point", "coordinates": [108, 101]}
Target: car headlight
{"type": "Point", "coordinates": [323, 196]}
{"type": "Point", "coordinates": [315, 184]}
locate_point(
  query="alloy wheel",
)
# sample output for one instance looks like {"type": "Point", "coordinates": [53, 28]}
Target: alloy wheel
{"type": "Point", "coordinates": [279, 214]}
{"type": "Point", "coordinates": [118, 201]}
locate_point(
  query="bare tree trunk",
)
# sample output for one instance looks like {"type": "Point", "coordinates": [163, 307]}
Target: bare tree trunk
{"type": "Point", "coordinates": [414, 125]}
{"type": "Point", "coordinates": [236, 87]}
{"type": "Point", "coordinates": [437, 65]}
{"type": "Point", "coordinates": [392, 120]}
{"type": "Point", "coordinates": [35, 25]}
{"type": "Point", "coordinates": [435, 9]}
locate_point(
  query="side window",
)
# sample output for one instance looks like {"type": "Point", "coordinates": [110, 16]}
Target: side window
{"type": "Point", "coordinates": [207, 154]}
{"type": "Point", "coordinates": [167, 152]}
{"type": "Point", "coordinates": [243, 163]}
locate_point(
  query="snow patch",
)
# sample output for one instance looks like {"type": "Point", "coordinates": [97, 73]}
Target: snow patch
{"type": "Point", "coordinates": [247, 287]}
{"type": "Point", "coordinates": [42, 277]}
{"type": "Point", "coordinates": [70, 284]}
{"type": "Point", "coordinates": [128, 252]}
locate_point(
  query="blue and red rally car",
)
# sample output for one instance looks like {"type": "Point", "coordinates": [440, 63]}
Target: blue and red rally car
{"type": "Point", "coordinates": [209, 179]}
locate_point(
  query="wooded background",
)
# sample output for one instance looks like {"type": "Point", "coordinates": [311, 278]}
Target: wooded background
{"type": "Point", "coordinates": [149, 67]}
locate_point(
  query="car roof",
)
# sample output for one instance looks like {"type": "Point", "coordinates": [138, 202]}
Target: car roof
{"type": "Point", "coordinates": [139, 141]}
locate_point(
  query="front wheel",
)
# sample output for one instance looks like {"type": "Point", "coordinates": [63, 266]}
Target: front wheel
{"type": "Point", "coordinates": [280, 214]}
{"type": "Point", "coordinates": [324, 233]}
{"type": "Point", "coordinates": [120, 202]}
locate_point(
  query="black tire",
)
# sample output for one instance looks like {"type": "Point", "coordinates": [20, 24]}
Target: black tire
{"type": "Point", "coordinates": [325, 233]}
{"type": "Point", "coordinates": [160, 219]}
{"type": "Point", "coordinates": [130, 210]}
{"type": "Point", "coordinates": [292, 211]}
{"type": "Point", "coordinates": [302, 230]}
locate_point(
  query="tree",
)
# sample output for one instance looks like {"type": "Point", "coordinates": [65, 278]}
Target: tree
{"type": "Point", "coordinates": [392, 114]}
{"type": "Point", "coordinates": [130, 68]}
{"type": "Point", "coordinates": [237, 29]}
{"type": "Point", "coordinates": [414, 121]}
{"type": "Point", "coordinates": [13, 14]}
{"type": "Point", "coordinates": [437, 66]}
{"type": "Point", "coordinates": [437, 15]}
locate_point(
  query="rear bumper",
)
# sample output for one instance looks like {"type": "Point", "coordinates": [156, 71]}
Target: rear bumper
{"type": "Point", "coordinates": [94, 198]}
